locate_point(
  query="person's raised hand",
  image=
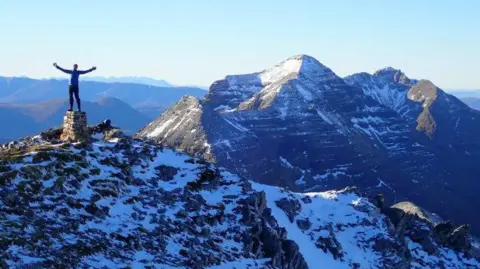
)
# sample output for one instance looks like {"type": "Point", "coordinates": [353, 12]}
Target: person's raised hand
{"type": "Point", "coordinates": [55, 64]}
{"type": "Point", "coordinates": [94, 68]}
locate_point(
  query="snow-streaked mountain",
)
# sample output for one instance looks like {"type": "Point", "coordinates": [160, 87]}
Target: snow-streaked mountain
{"type": "Point", "coordinates": [415, 100]}
{"type": "Point", "coordinates": [389, 87]}
{"type": "Point", "coordinates": [299, 125]}
{"type": "Point", "coordinates": [124, 203]}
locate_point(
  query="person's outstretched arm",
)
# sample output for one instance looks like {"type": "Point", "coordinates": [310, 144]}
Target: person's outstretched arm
{"type": "Point", "coordinates": [87, 71]}
{"type": "Point", "coordinates": [61, 69]}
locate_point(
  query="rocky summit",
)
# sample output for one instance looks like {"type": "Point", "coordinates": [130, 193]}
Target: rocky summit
{"type": "Point", "coordinates": [298, 125]}
{"type": "Point", "coordinates": [116, 202]}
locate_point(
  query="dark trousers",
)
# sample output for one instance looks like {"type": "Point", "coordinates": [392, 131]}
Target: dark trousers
{"type": "Point", "coordinates": [73, 91]}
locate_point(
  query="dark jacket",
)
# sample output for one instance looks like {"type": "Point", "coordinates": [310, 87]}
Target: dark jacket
{"type": "Point", "coordinates": [74, 74]}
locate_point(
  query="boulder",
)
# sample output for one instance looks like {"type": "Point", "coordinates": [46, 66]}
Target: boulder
{"type": "Point", "coordinates": [304, 224]}
{"type": "Point", "coordinates": [113, 133]}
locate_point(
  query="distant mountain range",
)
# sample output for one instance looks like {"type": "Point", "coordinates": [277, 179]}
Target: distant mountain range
{"type": "Point", "coordinates": [469, 97]}
{"type": "Point", "coordinates": [149, 99]}
{"type": "Point", "coordinates": [137, 80]}
{"type": "Point", "coordinates": [299, 125]}
{"type": "Point", "coordinates": [464, 93]}
{"type": "Point", "coordinates": [131, 79]}
{"type": "Point", "coordinates": [20, 120]}
{"type": "Point", "coordinates": [473, 102]}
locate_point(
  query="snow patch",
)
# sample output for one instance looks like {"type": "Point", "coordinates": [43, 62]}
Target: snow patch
{"type": "Point", "coordinates": [236, 125]}
{"type": "Point", "coordinates": [382, 183]}
{"type": "Point", "coordinates": [306, 94]}
{"type": "Point", "coordinates": [285, 162]}
{"type": "Point", "coordinates": [161, 127]}
{"type": "Point", "coordinates": [300, 181]}
{"type": "Point", "coordinates": [322, 115]}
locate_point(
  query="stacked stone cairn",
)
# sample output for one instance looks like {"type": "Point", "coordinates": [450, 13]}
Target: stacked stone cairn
{"type": "Point", "coordinates": [75, 127]}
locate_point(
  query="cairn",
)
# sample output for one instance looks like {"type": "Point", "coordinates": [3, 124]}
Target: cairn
{"type": "Point", "coordinates": [75, 127]}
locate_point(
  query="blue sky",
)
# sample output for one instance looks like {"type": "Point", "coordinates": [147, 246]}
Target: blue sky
{"type": "Point", "coordinates": [197, 42]}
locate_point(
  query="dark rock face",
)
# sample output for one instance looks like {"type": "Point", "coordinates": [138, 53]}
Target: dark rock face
{"type": "Point", "coordinates": [268, 237]}
{"type": "Point", "coordinates": [290, 207]}
{"type": "Point", "coordinates": [284, 253]}
{"type": "Point", "coordinates": [298, 125]}
{"type": "Point", "coordinates": [430, 232]}
{"type": "Point", "coordinates": [330, 243]}
{"type": "Point", "coordinates": [453, 237]}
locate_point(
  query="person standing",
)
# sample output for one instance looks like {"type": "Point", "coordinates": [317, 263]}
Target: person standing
{"type": "Point", "coordinates": [73, 89]}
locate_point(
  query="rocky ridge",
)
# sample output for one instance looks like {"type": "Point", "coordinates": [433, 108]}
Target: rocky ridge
{"type": "Point", "coordinates": [129, 203]}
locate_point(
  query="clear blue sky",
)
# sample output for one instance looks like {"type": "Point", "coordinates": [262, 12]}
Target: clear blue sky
{"type": "Point", "coordinates": [199, 41]}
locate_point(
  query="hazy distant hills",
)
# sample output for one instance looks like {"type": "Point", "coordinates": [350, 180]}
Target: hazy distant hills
{"type": "Point", "coordinates": [151, 99]}
{"type": "Point", "coordinates": [138, 80]}
{"type": "Point", "coordinates": [473, 102]}
{"type": "Point", "coordinates": [465, 93]}
{"type": "Point", "coordinates": [131, 79]}
{"type": "Point", "coordinates": [469, 97]}
{"type": "Point", "coordinates": [27, 119]}
{"type": "Point", "coordinates": [28, 106]}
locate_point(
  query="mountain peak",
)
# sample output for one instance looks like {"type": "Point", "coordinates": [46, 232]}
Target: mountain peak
{"type": "Point", "coordinates": [306, 63]}
{"type": "Point", "coordinates": [387, 69]}
{"type": "Point", "coordinates": [302, 57]}
{"type": "Point", "coordinates": [393, 74]}
{"type": "Point", "coordinates": [301, 64]}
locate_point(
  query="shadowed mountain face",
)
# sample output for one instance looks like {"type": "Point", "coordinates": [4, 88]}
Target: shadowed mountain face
{"type": "Point", "coordinates": [299, 125]}
{"type": "Point", "coordinates": [28, 119]}
{"type": "Point", "coordinates": [153, 100]}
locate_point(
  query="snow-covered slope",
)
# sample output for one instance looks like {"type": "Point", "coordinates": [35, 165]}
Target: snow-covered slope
{"type": "Point", "coordinates": [127, 203]}
{"type": "Point", "coordinates": [389, 87]}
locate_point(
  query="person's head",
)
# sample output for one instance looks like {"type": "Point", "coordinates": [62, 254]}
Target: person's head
{"type": "Point", "coordinates": [75, 66]}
